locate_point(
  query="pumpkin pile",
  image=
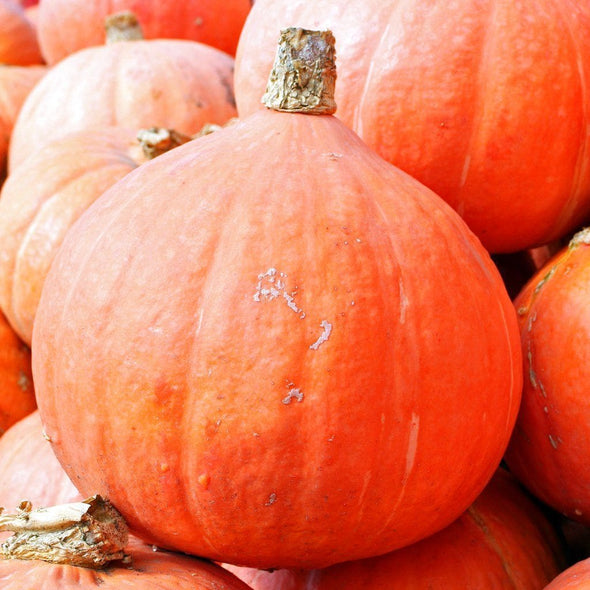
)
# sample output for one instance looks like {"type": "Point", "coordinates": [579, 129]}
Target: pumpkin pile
{"type": "Point", "coordinates": [295, 296]}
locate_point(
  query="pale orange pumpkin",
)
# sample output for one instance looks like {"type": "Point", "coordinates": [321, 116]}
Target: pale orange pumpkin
{"type": "Point", "coordinates": [300, 354]}
{"type": "Point", "coordinates": [18, 36]}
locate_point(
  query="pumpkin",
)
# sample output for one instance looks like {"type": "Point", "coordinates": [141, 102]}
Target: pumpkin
{"type": "Point", "coordinates": [29, 469]}
{"type": "Point", "coordinates": [503, 540]}
{"type": "Point", "coordinates": [66, 26]}
{"type": "Point", "coordinates": [575, 577]}
{"type": "Point", "coordinates": [16, 379]}
{"type": "Point", "coordinates": [44, 196]}
{"type": "Point", "coordinates": [149, 569]}
{"type": "Point", "coordinates": [268, 323]}
{"type": "Point", "coordinates": [18, 37]}
{"type": "Point", "coordinates": [483, 102]}
{"type": "Point", "coordinates": [15, 84]}
{"type": "Point", "coordinates": [173, 84]}
{"type": "Point", "coordinates": [548, 448]}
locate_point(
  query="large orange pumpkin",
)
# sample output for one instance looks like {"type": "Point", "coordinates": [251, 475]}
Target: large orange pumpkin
{"type": "Point", "coordinates": [303, 353]}
{"type": "Point", "coordinates": [483, 101]}
{"type": "Point", "coordinates": [66, 26]}
{"type": "Point", "coordinates": [17, 398]}
{"type": "Point", "coordinates": [42, 198]}
{"type": "Point", "coordinates": [503, 541]}
{"type": "Point", "coordinates": [173, 84]}
{"type": "Point", "coordinates": [548, 451]}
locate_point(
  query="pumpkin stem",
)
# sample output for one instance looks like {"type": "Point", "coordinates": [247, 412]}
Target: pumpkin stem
{"type": "Point", "coordinates": [87, 534]}
{"type": "Point", "coordinates": [303, 76]}
{"type": "Point", "coordinates": [122, 26]}
{"type": "Point", "coordinates": [158, 140]}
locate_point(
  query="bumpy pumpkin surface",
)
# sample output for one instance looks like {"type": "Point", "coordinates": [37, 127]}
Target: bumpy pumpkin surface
{"type": "Point", "coordinates": [503, 541]}
{"type": "Point", "coordinates": [548, 451]}
{"type": "Point", "coordinates": [485, 102]}
{"type": "Point", "coordinates": [300, 354]}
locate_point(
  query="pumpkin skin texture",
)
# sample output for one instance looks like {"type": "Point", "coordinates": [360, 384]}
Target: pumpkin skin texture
{"type": "Point", "coordinates": [482, 101]}
{"type": "Point", "coordinates": [42, 198]}
{"type": "Point", "coordinates": [15, 84]}
{"type": "Point", "coordinates": [173, 84]}
{"type": "Point", "coordinates": [18, 36]}
{"type": "Point", "coordinates": [548, 448]}
{"type": "Point", "coordinates": [503, 541]}
{"type": "Point", "coordinates": [29, 469]}
{"type": "Point", "coordinates": [66, 26]}
{"type": "Point", "coordinates": [149, 570]}
{"type": "Point", "coordinates": [265, 333]}
{"type": "Point", "coordinates": [16, 378]}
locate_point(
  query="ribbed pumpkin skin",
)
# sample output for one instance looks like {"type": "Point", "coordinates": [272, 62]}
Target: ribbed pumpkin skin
{"type": "Point", "coordinates": [42, 198]}
{"type": "Point", "coordinates": [66, 26]}
{"type": "Point", "coordinates": [16, 379]}
{"type": "Point", "coordinates": [503, 541]}
{"type": "Point", "coordinates": [483, 101]}
{"type": "Point", "coordinates": [548, 451]}
{"type": "Point", "coordinates": [29, 469]}
{"type": "Point", "coordinates": [149, 570]}
{"type": "Point", "coordinates": [15, 84]}
{"type": "Point", "coordinates": [303, 353]}
{"type": "Point", "coordinates": [173, 84]}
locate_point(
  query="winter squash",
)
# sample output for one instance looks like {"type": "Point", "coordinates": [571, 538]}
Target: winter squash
{"type": "Point", "coordinates": [268, 323]}
{"type": "Point", "coordinates": [503, 540]}
{"type": "Point", "coordinates": [484, 102]}
{"type": "Point", "coordinates": [15, 84]}
{"type": "Point", "coordinates": [16, 379]}
{"type": "Point", "coordinates": [575, 577]}
{"type": "Point", "coordinates": [66, 26]}
{"type": "Point", "coordinates": [43, 197]}
{"type": "Point", "coordinates": [29, 469]}
{"type": "Point", "coordinates": [18, 36]}
{"type": "Point", "coordinates": [173, 84]}
{"type": "Point", "coordinates": [547, 451]}
{"type": "Point", "coordinates": [149, 569]}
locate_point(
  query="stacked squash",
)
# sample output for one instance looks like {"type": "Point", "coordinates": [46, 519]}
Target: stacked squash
{"type": "Point", "coordinates": [287, 344]}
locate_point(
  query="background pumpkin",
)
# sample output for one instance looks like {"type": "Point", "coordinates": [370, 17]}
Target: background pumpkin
{"type": "Point", "coordinates": [174, 84]}
{"type": "Point", "coordinates": [576, 577]}
{"type": "Point", "coordinates": [18, 36]}
{"type": "Point", "coordinates": [16, 380]}
{"type": "Point", "coordinates": [66, 26]}
{"type": "Point", "coordinates": [269, 332]}
{"type": "Point", "coordinates": [504, 540]}
{"type": "Point", "coordinates": [482, 101]}
{"type": "Point", "coordinates": [548, 448]}
{"type": "Point", "coordinates": [43, 197]}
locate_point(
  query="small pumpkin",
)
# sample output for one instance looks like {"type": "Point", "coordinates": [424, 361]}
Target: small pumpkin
{"type": "Point", "coordinates": [503, 540]}
{"type": "Point", "coordinates": [66, 26]}
{"type": "Point", "coordinates": [268, 324]}
{"type": "Point", "coordinates": [484, 102]}
{"type": "Point", "coordinates": [44, 196]}
{"type": "Point", "coordinates": [16, 379]}
{"type": "Point", "coordinates": [548, 447]}
{"type": "Point", "coordinates": [167, 83]}
{"type": "Point", "coordinates": [575, 577]}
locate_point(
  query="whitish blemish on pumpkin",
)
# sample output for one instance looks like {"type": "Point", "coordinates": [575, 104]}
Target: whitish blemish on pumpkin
{"type": "Point", "coordinates": [403, 303]}
{"type": "Point", "coordinates": [327, 327]}
{"type": "Point", "coordinates": [271, 499]}
{"type": "Point", "coordinates": [46, 437]}
{"type": "Point", "coordinates": [578, 512]}
{"type": "Point", "coordinates": [24, 383]}
{"type": "Point", "coordinates": [554, 441]}
{"type": "Point", "coordinates": [332, 155]}
{"type": "Point", "coordinates": [412, 446]}
{"type": "Point", "coordinates": [271, 285]}
{"type": "Point", "coordinates": [203, 480]}
{"type": "Point", "coordinates": [294, 393]}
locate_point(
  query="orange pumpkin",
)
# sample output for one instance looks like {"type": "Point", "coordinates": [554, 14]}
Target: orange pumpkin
{"type": "Point", "coordinates": [66, 26]}
{"type": "Point", "coordinates": [269, 324]}
{"type": "Point", "coordinates": [29, 469]}
{"type": "Point", "coordinates": [548, 448]}
{"type": "Point", "coordinates": [42, 198]}
{"type": "Point", "coordinates": [18, 37]}
{"type": "Point", "coordinates": [504, 540]}
{"type": "Point", "coordinates": [173, 84]}
{"type": "Point", "coordinates": [484, 102]}
{"type": "Point", "coordinates": [15, 84]}
{"type": "Point", "coordinates": [16, 379]}
{"type": "Point", "coordinates": [575, 577]}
